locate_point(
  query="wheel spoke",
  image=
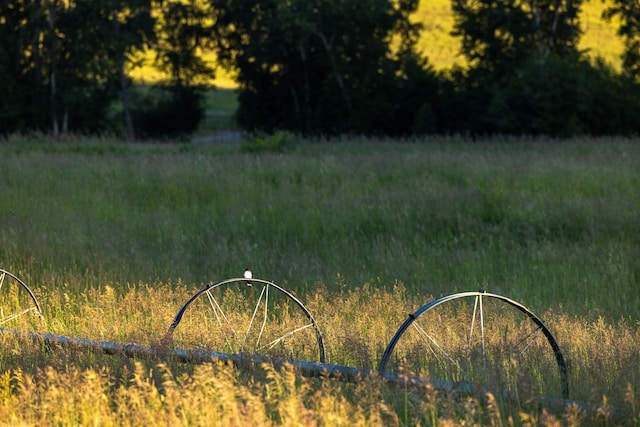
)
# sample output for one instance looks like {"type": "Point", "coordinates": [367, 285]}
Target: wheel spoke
{"type": "Point", "coordinates": [473, 321]}
{"type": "Point", "coordinates": [253, 316]}
{"type": "Point", "coordinates": [215, 307]}
{"type": "Point", "coordinates": [264, 319]}
{"type": "Point", "coordinates": [430, 340]}
{"type": "Point", "coordinates": [526, 341]}
{"type": "Point", "coordinates": [16, 315]}
{"type": "Point", "coordinates": [482, 327]}
{"type": "Point", "coordinates": [273, 343]}
{"type": "Point", "coordinates": [477, 310]}
{"type": "Point", "coordinates": [243, 323]}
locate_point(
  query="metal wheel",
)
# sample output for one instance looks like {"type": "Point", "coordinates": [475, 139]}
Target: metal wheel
{"type": "Point", "coordinates": [16, 300]}
{"type": "Point", "coordinates": [481, 341]}
{"type": "Point", "coordinates": [241, 316]}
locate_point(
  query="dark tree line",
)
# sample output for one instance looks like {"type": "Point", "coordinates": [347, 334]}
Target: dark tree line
{"type": "Point", "coordinates": [324, 66]}
{"type": "Point", "coordinates": [527, 74]}
{"type": "Point", "coordinates": [65, 65]}
{"type": "Point", "coordinates": [312, 66]}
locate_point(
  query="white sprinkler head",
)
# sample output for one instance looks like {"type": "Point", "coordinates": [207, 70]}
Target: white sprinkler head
{"type": "Point", "coordinates": [248, 275]}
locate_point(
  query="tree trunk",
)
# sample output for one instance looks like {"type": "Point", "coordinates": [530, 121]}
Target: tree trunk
{"type": "Point", "coordinates": [124, 90]}
{"type": "Point", "coordinates": [52, 77]}
{"type": "Point", "coordinates": [124, 94]}
{"type": "Point", "coordinates": [339, 80]}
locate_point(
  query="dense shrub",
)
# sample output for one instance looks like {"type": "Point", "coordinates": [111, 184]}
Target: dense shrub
{"type": "Point", "coordinates": [168, 112]}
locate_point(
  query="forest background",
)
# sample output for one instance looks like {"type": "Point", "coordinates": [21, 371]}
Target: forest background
{"type": "Point", "coordinates": [370, 67]}
{"type": "Point", "coordinates": [443, 49]}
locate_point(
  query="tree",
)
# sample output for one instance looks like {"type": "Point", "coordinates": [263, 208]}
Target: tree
{"type": "Point", "coordinates": [498, 35]}
{"type": "Point", "coordinates": [317, 65]}
{"type": "Point", "coordinates": [98, 41]}
{"type": "Point", "coordinates": [515, 49]}
{"type": "Point", "coordinates": [63, 60]}
{"type": "Point", "coordinates": [175, 107]}
{"type": "Point", "coordinates": [71, 70]}
{"type": "Point", "coordinates": [184, 35]}
{"type": "Point", "coordinates": [628, 12]}
{"type": "Point", "coordinates": [20, 94]}
{"type": "Point", "coordinates": [133, 29]}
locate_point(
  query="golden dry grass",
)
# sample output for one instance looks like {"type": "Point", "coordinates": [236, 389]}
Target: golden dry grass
{"type": "Point", "coordinates": [49, 385]}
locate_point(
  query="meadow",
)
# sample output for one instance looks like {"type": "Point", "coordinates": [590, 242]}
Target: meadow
{"type": "Point", "coordinates": [114, 237]}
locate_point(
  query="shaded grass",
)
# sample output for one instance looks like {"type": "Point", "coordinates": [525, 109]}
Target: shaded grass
{"type": "Point", "coordinates": [550, 224]}
{"type": "Point", "coordinates": [220, 107]}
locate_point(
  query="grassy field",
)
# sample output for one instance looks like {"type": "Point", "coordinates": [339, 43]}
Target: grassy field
{"type": "Point", "coordinates": [113, 238]}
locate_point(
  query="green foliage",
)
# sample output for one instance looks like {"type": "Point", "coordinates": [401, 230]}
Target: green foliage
{"type": "Point", "coordinates": [425, 121]}
{"type": "Point", "coordinates": [328, 67]}
{"type": "Point", "coordinates": [523, 60]}
{"type": "Point", "coordinates": [562, 97]}
{"type": "Point", "coordinates": [629, 14]}
{"type": "Point", "coordinates": [185, 34]}
{"type": "Point", "coordinates": [526, 75]}
{"type": "Point", "coordinates": [313, 68]}
{"type": "Point", "coordinates": [66, 64]}
{"type": "Point", "coordinates": [278, 142]}
{"type": "Point", "coordinates": [499, 35]}
{"type": "Point", "coordinates": [162, 112]}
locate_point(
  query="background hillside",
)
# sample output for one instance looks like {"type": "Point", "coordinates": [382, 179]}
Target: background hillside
{"type": "Point", "coordinates": [441, 48]}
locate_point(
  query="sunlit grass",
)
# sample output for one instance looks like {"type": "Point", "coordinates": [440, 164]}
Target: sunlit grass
{"type": "Point", "coordinates": [39, 381]}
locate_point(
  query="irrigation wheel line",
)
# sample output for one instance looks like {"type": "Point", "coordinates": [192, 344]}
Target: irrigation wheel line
{"type": "Point", "coordinates": [477, 321]}
{"type": "Point", "coordinates": [258, 319]}
{"type": "Point", "coordinates": [4, 318]}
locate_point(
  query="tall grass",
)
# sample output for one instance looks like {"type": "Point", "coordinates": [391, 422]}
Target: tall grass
{"type": "Point", "coordinates": [46, 385]}
{"type": "Point", "coordinates": [113, 238]}
{"type": "Point", "coordinates": [552, 224]}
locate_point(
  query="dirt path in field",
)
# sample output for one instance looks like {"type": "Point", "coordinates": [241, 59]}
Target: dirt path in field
{"type": "Point", "coordinates": [219, 136]}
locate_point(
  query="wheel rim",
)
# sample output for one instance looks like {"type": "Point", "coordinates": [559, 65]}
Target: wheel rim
{"type": "Point", "coordinates": [16, 299]}
{"type": "Point", "coordinates": [479, 338]}
{"type": "Point", "coordinates": [252, 317]}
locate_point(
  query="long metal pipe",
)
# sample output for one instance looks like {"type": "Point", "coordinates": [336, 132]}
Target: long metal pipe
{"type": "Point", "coordinates": [133, 350]}
{"type": "Point", "coordinates": [305, 368]}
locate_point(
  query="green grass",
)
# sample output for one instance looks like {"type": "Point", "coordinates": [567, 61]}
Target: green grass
{"type": "Point", "coordinates": [547, 223]}
{"type": "Point", "coordinates": [220, 107]}
{"type": "Point", "coordinates": [114, 237]}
